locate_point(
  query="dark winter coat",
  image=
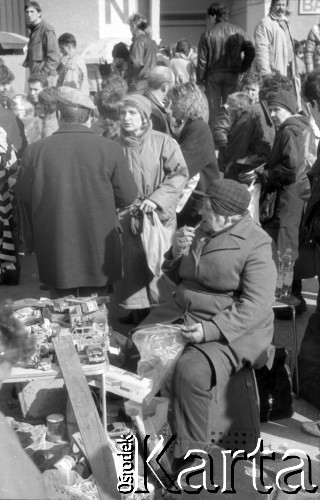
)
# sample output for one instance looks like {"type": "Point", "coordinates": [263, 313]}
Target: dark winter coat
{"type": "Point", "coordinates": [198, 149]}
{"type": "Point", "coordinates": [160, 172]}
{"type": "Point", "coordinates": [280, 175]}
{"type": "Point", "coordinates": [159, 117]}
{"type": "Point", "coordinates": [308, 263]}
{"type": "Point", "coordinates": [223, 48]}
{"type": "Point", "coordinates": [248, 134]}
{"type": "Point", "coordinates": [71, 184]}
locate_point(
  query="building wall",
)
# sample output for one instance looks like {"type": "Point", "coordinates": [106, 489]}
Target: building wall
{"type": "Point", "coordinates": [80, 17]}
{"type": "Point", "coordinates": [12, 16]}
{"type": "Point", "coordinates": [301, 23]}
{"type": "Point", "coordinates": [91, 20]}
{"type": "Point", "coordinates": [186, 18]}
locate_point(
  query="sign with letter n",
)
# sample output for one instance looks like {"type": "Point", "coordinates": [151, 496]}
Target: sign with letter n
{"type": "Point", "coordinates": [309, 7]}
{"type": "Point", "coordinates": [114, 16]}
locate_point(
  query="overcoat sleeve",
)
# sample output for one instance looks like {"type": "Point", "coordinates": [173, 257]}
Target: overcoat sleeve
{"type": "Point", "coordinates": [284, 173]}
{"type": "Point", "coordinates": [176, 175]}
{"type": "Point", "coordinates": [137, 55]}
{"type": "Point", "coordinates": [262, 43]}
{"type": "Point", "coordinates": [25, 178]}
{"type": "Point", "coordinates": [51, 48]}
{"type": "Point", "coordinates": [23, 191]}
{"type": "Point", "coordinates": [198, 149]}
{"type": "Point", "coordinates": [309, 51]}
{"type": "Point", "coordinates": [249, 53]}
{"type": "Point", "coordinates": [202, 64]}
{"type": "Point", "coordinates": [258, 285]}
{"type": "Point", "coordinates": [222, 127]}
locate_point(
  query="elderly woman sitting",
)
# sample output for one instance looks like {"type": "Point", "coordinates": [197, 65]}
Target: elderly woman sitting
{"type": "Point", "coordinates": [225, 280]}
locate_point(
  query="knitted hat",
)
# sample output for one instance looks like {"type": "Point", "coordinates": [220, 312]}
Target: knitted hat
{"type": "Point", "coordinates": [284, 99]}
{"type": "Point", "coordinates": [227, 197]}
{"type": "Point", "coordinates": [138, 101]}
{"type": "Point", "coordinates": [120, 50]}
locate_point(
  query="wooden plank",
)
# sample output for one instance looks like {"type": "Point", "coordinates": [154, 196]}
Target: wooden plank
{"type": "Point", "coordinates": [91, 430]}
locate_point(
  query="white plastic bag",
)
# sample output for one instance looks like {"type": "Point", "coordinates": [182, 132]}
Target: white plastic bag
{"type": "Point", "coordinates": [156, 241]}
{"type": "Point", "coordinates": [160, 346]}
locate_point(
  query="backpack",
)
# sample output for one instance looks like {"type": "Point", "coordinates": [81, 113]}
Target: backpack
{"type": "Point", "coordinates": [309, 362]}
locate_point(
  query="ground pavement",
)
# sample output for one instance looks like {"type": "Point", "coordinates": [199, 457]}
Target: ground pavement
{"type": "Point", "coordinates": [278, 436]}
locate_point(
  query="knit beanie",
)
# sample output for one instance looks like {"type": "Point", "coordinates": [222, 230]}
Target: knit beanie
{"type": "Point", "coordinates": [284, 99]}
{"type": "Point", "coordinates": [142, 104]}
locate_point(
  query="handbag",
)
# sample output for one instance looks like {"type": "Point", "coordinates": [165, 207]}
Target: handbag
{"type": "Point", "coordinates": [268, 205]}
{"type": "Point", "coordinates": [275, 388]}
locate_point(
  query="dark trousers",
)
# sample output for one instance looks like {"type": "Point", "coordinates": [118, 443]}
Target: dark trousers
{"type": "Point", "coordinates": [191, 397]}
{"type": "Point", "coordinates": [218, 87]}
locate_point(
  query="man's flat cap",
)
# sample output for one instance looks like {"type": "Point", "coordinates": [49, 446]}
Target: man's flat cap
{"type": "Point", "coordinates": [228, 197]}
{"type": "Point", "coordinates": [74, 97]}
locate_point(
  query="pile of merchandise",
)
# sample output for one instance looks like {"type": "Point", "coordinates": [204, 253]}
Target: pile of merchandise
{"type": "Point", "coordinates": [86, 318]}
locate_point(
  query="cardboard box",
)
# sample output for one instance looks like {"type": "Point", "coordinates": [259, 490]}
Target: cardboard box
{"type": "Point", "coordinates": [127, 384]}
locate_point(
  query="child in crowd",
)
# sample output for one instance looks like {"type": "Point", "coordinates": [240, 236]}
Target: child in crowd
{"type": "Point", "coordinates": [72, 68]}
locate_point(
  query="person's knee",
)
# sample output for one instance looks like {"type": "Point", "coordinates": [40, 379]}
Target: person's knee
{"type": "Point", "coordinates": [194, 371]}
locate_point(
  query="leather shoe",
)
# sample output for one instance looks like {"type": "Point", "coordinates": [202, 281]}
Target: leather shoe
{"type": "Point", "coordinates": [10, 277]}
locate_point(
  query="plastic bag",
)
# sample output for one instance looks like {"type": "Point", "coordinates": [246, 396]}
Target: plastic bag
{"type": "Point", "coordinates": [156, 241]}
{"type": "Point", "coordinates": [160, 346]}
{"type": "Point", "coordinates": [255, 191]}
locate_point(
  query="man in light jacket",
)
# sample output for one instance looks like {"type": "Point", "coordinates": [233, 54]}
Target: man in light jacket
{"type": "Point", "coordinates": [274, 44]}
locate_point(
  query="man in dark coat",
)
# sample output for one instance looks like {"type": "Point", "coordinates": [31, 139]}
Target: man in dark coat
{"type": "Point", "coordinates": [160, 82]}
{"type": "Point", "coordinates": [43, 54]}
{"type": "Point", "coordinates": [311, 221]}
{"type": "Point", "coordinates": [225, 280]}
{"type": "Point", "coordinates": [224, 53]}
{"type": "Point", "coordinates": [71, 184]}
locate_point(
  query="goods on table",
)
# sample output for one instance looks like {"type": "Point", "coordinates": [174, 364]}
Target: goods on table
{"type": "Point", "coordinates": [86, 318]}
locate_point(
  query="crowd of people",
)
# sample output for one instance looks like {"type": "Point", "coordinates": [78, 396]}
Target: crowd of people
{"type": "Point", "coordinates": [178, 135]}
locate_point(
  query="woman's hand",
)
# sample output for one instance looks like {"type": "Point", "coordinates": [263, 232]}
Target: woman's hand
{"type": "Point", "coordinates": [194, 334]}
{"type": "Point", "coordinates": [147, 206]}
{"type": "Point", "coordinates": [182, 241]}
